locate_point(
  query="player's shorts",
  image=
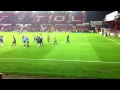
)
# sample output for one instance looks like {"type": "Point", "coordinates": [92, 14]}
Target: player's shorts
{"type": "Point", "coordinates": [1, 41]}
{"type": "Point", "coordinates": [38, 41]}
{"type": "Point", "coordinates": [55, 41]}
{"type": "Point", "coordinates": [14, 41]}
{"type": "Point", "coordinates": [48, 39]}
{"type": "Point", "coordinates": [41, 41]}
{"type": "Point", "coordinates": [23, 41]}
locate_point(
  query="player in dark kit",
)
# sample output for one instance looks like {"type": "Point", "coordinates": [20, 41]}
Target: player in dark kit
{"type": "Point", "coordinates": [48, 38]}
{"type": "Point", "coordinates": [105, 34]}
{"type": "Point", "coordinates": [41, 40]}
{"type": "Point", "coordinates": [38, 41]}
{"type": "Point", "coordinates": [1, 40]}
{"type": "Point", "coordinates": [67, 39]}
{"type": "Point", "coordinates": [14, 41]}
{"type": "Point", "coordinates": [27, 42]}
{"type": "Point", "coordinates": [23, 40]}
{"type": "Point", "coordinates": [55, 41]}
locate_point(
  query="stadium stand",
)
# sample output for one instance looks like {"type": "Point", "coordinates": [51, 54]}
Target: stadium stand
{"type": "Point", "coordinates": [41, 21]}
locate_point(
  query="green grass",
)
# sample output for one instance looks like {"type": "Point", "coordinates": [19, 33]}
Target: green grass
{"type": "Point", "coordinates": [83, 47]}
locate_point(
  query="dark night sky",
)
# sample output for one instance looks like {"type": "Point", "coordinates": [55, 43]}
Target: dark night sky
{"type": "Point", "coordinates": [96, 15]}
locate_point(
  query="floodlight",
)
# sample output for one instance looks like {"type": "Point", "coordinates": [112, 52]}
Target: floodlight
{"type": "Point", "coordinates": [17, 11]}
{"type": "Point", "coordinates": [83, 11]}
{"type": "Point", "coordinates": [33, 11]}
{"type": "Point", "coordinates": [52, 11]}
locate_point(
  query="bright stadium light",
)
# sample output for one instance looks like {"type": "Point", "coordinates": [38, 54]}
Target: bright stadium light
{"type": "Point", "coordinates": [83, 11]}
{"type": "Point", "coordinates": [1, 11]}
{"type": "Point", "coordinates": [17, 11]}
{"type": "Point", "coordinates": [70, 11]}
{"type": "Point", "coordinates": [33, 11]}
{"type": "Point", "coordinates": [52, 11]}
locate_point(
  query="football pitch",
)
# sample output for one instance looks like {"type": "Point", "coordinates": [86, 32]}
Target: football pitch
{"type": "Point", "coordinates": [88, 55]}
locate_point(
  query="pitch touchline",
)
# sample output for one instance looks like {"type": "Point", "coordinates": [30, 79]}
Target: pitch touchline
{"type": "Point", "coordinates": [57, 60]}
{"type": "Point", "coordinates": [111, 39]}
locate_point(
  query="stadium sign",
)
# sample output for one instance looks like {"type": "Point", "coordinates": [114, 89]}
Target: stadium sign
{"type": "Point", "coordinates": [95, 23]}
{"type": "Point", "coordinates": [18, 17]}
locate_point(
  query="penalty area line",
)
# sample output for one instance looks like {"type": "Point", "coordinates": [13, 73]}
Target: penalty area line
{"type": "Point", "coordinates": [62, 60]}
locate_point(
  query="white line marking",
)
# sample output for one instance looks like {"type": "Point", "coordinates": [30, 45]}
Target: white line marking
{"type": "Point", "coordinates": [95, 43]}
{"type": "Point", "coordinates": [59, 44]}
{"type": "Point", "coordinates": [110, 39]}
{"type": "Point", "coordinates": [62, 60]}
{"type": "Point", "coordinates": [113, 40]}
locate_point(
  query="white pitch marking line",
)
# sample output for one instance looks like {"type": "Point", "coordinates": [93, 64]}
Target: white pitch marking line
{"type": "Point", "coordinates": [113, 40]}
{"type": "Point", "coordinates": [62, 60]}
{"type": "Point", "coordinates": [110, 39]}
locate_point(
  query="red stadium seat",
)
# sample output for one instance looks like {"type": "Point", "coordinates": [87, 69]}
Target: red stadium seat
{"type": "Point", "coordinates": [41, 21]}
